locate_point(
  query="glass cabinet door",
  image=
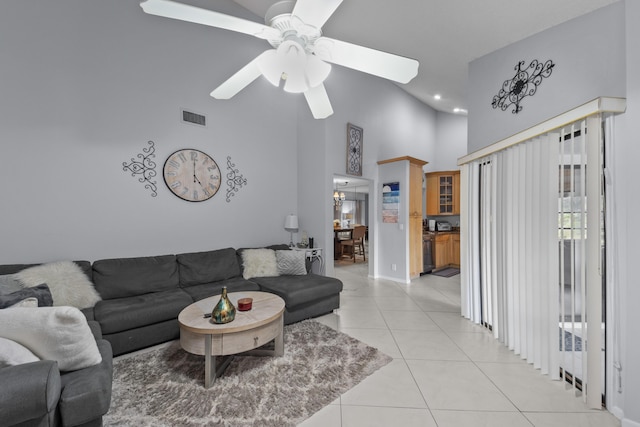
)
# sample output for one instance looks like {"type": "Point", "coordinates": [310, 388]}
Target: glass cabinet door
{"type": "Point", "coordinates": [446, 194]}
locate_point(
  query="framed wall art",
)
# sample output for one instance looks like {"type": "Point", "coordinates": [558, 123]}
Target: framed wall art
{"type": "Point", "coordinates": [354, 150]}
{"type": "Point", "coordinates": [390, 202]}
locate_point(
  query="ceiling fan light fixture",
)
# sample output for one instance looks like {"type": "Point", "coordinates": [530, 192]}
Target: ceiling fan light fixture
{"type": "Point", "coordinates": [301, 55]}
{"type": "Point", "coordinates": [317, 70]}
{"type": "Point", "coordinates": [295, 82]}
{"type": "Point", "coordinates": [270, 67]}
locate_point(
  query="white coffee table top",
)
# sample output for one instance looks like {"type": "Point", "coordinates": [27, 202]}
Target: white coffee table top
{"type": "Point", "coordinates": [266, 308]}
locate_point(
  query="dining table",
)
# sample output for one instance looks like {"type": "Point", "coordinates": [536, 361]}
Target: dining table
{"type": "Point", "coordinates": [338, 235]}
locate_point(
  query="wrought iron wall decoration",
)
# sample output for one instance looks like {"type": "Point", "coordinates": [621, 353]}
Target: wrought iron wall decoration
{"type": "Point", "coordinates": [144, 168]}
{"type": "Point", "coordinates": [524, 83]}
{"type": "Point", "coordinates": [235, 180]}
{"type": "Point", "coordinates": [354, 149]}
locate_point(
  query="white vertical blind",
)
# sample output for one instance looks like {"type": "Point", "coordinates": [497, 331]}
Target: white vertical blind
{"type": "Point", "coordinates": [516, 251]}
{"type": "Point", "coordinates": [542, 268]}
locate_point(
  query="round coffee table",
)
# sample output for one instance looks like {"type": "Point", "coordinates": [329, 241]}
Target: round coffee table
{"type": "Point", "coordinates": [248, 331]}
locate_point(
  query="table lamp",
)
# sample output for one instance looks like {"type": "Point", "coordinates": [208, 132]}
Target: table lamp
{"type": "Point", "coordinates": [291, 225]}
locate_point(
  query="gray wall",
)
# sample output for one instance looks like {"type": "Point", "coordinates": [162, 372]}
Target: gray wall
{"type": "Point", "coordinates": [627, 227]}
{"type": "Point", "coordinates": [589, 53]}
{"type": "Point", "coordinates": [394, 125]}
{"type": "Point", "coordinates": [451, 137]}
{"type": "Point", "coordinates": [596, 55]}
{"type": "Point", "coordinates": [86, 83]}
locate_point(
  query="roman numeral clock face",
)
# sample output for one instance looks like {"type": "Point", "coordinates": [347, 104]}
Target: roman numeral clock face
{"type": "Point", "coordinates": [192, 175]}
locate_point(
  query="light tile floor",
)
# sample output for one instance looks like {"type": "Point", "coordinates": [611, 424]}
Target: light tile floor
{"type": "Point", "coordinates": [446, 372]}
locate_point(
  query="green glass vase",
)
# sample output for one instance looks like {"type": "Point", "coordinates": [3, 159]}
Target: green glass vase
{"type": "Point", "coordinates": [224, 311]}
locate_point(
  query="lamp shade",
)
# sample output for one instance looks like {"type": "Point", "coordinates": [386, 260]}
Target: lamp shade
{"type": "Point", "coordinates": [291, 223]}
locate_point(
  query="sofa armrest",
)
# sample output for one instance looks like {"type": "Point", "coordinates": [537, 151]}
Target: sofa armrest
{"type": "Point", "coordinates": [29, 391]}
{"type": "Point", "coordinates": [86, 393]}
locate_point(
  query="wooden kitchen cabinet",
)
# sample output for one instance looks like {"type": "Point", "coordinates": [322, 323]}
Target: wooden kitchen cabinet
{"type": "Point", "coordinates": [442, 250]}
{"type": "Point", "coordinates": [446, 250]}
{"type": "Point", "coordinates": [455, 248]}
{"type": "Point", "coordinates": [443, 193]}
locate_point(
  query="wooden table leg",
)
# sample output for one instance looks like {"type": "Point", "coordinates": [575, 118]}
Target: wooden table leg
{"type": "Point", "coordinates": [279, 340]}
{"type": "Point", "coordinates": [209, 370]}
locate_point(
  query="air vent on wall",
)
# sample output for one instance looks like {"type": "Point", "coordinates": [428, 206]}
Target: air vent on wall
{"type": "Point", "coordinates": [194, 118]}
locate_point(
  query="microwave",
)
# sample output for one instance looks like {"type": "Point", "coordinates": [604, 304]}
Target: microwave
{"type": "Point", "coordinates": [443, 226]}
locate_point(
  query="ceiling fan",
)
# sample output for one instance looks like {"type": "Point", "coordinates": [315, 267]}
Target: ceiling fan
{"type": "Point", "coordinates": [301, 54]}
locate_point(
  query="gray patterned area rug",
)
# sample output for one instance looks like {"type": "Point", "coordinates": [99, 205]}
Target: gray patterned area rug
{"type": "Point", "coordinates": [164, 387]}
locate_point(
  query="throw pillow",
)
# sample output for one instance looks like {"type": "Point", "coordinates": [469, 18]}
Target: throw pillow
{"type": "Point", "coordinates": [259, 263]}
{"type": "Point", "coordinates": [67, 282]}
{"type": "Point", "coordinates": [53, 333]}
{"type": "Point", "coordinates": [41, 293]}
{"type": "Point", "coordinates": [8, 284]}
{"type": "Point", "coordinates": [12, 354]}
{"type": "Point", "coordinates": [292, 263]}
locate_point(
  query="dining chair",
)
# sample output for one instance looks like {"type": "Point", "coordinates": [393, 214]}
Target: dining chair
{"type": "Point", "coordinates": [356, 241]}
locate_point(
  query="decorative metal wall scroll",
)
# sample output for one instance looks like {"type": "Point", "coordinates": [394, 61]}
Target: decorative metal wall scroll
{"type": "Point", "coordinates": [235, 180]}
{"type": "Point", "coordinates": [524, 83]}
{"type": "Point", "coordinates": [145, 168]}
{"type": "Point", "coordinates": [354, 150]}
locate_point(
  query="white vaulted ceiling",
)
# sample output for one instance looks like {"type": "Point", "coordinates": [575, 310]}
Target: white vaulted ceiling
{"type": "Point", "coordinates": [444, 35]}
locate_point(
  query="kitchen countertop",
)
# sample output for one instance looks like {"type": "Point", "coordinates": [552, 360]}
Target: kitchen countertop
{"type": "Point", "coordinates": [441, 232]}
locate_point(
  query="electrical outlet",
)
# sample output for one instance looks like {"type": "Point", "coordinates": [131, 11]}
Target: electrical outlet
{"type": "Point", "coordinates": [393, 267]}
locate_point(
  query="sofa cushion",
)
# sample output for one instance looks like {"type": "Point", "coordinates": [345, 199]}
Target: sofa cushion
{"type": "Point", "coordinates": [122, 314]}
{"type": "Point", "coordinates": [13, 353]}
{"type": "Point", "coordinates": [259, 263]}
{"type": "Point", "coordinates": [52, 333]}
{"type": "Point", "coordinates": [41, 293]}
{"type": "Point", "coordinates": [235, 284]}
{"type": "Point", "coordinates": [299, 290]}
{"type": "Point", "coordinates": [66, 280]}
{"type": "Point", "coordinates": [197, 268]}
{"type": "Point", "coordinates": [126, 277]}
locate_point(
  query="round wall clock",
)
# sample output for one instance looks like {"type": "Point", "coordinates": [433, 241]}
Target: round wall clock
{"type": "Point", "coordinates": [192, 175]}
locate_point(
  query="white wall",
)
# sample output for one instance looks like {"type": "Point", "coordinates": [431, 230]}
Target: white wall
{"type": "Point", "coordinates": [589, 55]}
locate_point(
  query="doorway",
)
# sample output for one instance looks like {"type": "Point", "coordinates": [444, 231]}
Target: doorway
{"type": "Point", "coordinates": [350, 210]}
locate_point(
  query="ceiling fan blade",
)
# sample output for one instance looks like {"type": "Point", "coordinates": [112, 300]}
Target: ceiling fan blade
{"type": "Point", "coordinates": [234, 84]}
{"type": "Point", "coordinates": [381, 64]}
{"type": "Point", "coordinates": [315, 12]}
{"type": "Point", "coordinates": [184, 12]}
{"type": "Point", "coordinates": [318, 101]}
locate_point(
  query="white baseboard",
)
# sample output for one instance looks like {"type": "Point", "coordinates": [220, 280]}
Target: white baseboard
{"type": "Point", "coordinates": [629, 423]}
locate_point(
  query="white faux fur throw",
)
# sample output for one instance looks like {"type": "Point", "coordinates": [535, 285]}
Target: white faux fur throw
{"type": "Point", "coordinates": [66, 280]}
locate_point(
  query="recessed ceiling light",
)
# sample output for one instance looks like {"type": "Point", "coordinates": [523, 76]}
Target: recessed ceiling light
{"type": "Point", "coordinates": [459, 110]}
{"type": "Point", "coordinates": [437, 97]}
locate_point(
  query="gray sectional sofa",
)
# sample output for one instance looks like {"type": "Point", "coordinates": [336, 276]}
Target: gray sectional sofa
{"type": "Point", "coordinates": [141, 299]}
